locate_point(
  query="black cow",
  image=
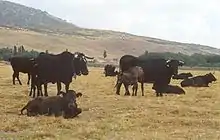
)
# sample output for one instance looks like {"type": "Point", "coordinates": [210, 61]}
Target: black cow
{"type": "Point", "coordinates": [171, 89]}
{"type": "Point", "coordinates": [156, 71]}
{"type": "Point", "coordinates": [109, 70]}
{"type": "Point", "coordinates": [182, 76]}
{"type": "Point", "coordinates": [21, 64]}
{"type": "Point", "coordinates": [59, 68]}
{"type": "Point", "coordinates": [199, 81]}
{"type": "Point", "coordinates": [131, 77]}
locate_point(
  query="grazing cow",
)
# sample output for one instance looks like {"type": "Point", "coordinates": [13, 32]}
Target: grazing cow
{"type": "Point", "coordinates": [199, 81]}
{"type": "Point", "coordinates": [182, 76]}
{"type": "Point", "coordinates": [21, 64]}
{"type": "Point", "coordinates": [131, 77]}
{"type": "Point", "coordinates": [59, 69]}
{"type": "Point", "coordinates": [156, 71]}
{"type": "Point", "coordinates": [170, 89]}
{"type": "Point", "coordinates": [109, 70]}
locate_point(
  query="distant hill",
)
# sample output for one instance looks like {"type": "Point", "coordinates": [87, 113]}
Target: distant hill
{"type": "Point", "coordinates": [37, 29]}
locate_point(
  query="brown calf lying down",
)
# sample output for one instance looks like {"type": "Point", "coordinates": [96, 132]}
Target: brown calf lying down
{"type": "Point", "coordinates": [63, 104]}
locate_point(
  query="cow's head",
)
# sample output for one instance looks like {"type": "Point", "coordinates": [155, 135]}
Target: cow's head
{"type": "Point", "coordinates": [210, 77]}
{"type": "Point", "coordinates": [81, 63]}
{"type": "Point", "coordinates": [173, 64]}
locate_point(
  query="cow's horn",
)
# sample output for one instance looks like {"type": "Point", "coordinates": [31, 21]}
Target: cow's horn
{"type": "Point", "coordinates": [168, 61]}
{"type": "Point", "coordinates": [76, 55]}
{"type": "Point", "coordinates": [88, 57]}
{"type": "Point", "coordinates": [181, 62]}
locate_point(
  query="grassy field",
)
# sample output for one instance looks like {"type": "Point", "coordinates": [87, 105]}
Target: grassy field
{"type": "Point", "coordinates": [106, 116]}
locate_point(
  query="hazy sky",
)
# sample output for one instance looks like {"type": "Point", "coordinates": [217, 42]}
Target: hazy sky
{"type": "Point", "coordinates": [192, 21]}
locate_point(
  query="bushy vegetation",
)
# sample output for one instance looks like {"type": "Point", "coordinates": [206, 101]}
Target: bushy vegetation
{"type": "Point", "coordinates": [6, 53]}
{"type": "Point", "coordinates": [197, 60]}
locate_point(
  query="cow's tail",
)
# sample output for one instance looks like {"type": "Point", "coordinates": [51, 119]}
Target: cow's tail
{"type": "Point", "coordinates": [116, 84]}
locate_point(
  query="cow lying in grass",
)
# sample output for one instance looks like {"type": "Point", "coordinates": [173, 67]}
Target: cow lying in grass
{"type": "Point", "coordinates": [63, 104]}
{"type": "Point", "coordinates": [199, 81]}
{"type": "Point", "coordinates": [171, 89]}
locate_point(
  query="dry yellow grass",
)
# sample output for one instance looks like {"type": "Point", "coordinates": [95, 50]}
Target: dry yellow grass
{"type": "Point", "coordinates": [106, 116]}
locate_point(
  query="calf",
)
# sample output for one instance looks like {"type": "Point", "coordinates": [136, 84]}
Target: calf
{"type": "Point", "coordinates": [56, 105]}
{"type": "Point", "coordinates": [131, 77]}
{"type": "Point", "coordinates": [199, 81]}
{"type": "Point", "coordinates": [182, 76]}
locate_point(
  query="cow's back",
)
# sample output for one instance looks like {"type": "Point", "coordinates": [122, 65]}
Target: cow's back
{"type": "Point", "coordinates": [127, 61]}
{"type": "Point", "coordinates": [21, 64]}
{"type": "Point", "coordinates": [52, 68]}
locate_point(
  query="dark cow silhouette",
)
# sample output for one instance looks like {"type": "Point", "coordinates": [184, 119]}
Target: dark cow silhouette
{"type": "Point", "coordinates": [131, 77]}
{"type": "Point", "coordinates": [171, 89]}
{"type": "Point", "coordinates": [21, 64]}
{"type": "Point", "coordinates": [109, 70]}
{"type": "Point", "coordinates": [59, 68]}
{"type": "Point", "coordinates": [182, 76]}
{"type": "Point", "coordinates": [156, 71]}
{"type": "Point", "coordinates": [199, 81]}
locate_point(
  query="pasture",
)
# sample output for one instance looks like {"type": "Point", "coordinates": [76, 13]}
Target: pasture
{"type": "Point", "coordinates": [107, 116]}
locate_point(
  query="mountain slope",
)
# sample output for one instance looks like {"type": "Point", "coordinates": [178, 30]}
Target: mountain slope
{"type": "Point", "coordinates": [39, 30]}
{"type": "Point", "coordinates": [17, 15]}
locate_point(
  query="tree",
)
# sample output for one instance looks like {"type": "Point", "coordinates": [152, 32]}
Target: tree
{"type": "Point", "coordinates": [22, 49]}
{"type": "Point", "coordinates": [46, 51]}
{"type": "Point", "coordinates": [15, 50]}
{"type": "Point", "coordinates": [104, 54]}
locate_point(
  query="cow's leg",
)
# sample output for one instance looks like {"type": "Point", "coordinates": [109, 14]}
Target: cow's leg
{"type": "Point", "coordinates": [58, 87]}
{"type": "Point", "coordinates": [67, 87]}
{"type": "Point", "coordinates": [13, 77]}
{"type": "Point", "coordinates": [127, 93]}
{"type": "Point", "coordinates": [45, 90]}
{"type": "Point", "coordinates": [17, 76]}
{"type": "Point", "coordinates": [29, 77]}
{"type": "Point", "coordinates": [142, 88]}
{"type": "Point", "coordinates": [39, 91]}
{"type": "Point", "coordinates": [135, 87]}
{"type": "Point", "coordinates": [118, 88]}
{"type": "Point", "coordinates": [32, 89]}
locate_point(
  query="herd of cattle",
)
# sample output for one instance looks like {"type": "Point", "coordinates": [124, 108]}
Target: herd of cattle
{"type": "Point", "coordinates": [156, 71]}
{"type": "Point", "coordinates": [61, 68]}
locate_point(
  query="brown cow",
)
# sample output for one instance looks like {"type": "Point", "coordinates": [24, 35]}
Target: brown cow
{"type": "Point", "coordinates": [131, 77]}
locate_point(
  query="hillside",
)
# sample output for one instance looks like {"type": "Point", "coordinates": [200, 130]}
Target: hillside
{"type": "Point", "coordinates": [36, 29]}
